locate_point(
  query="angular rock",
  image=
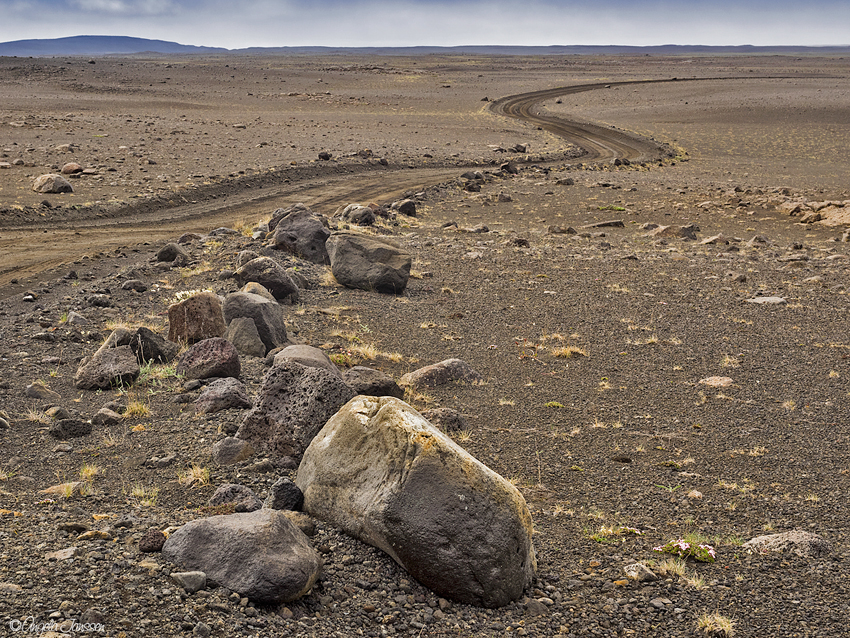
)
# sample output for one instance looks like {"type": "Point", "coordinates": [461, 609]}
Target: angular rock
{"type": "Point", "coordinates": [268, 273]}
{"type": "Point", "coordinates": [214, 357]}
{"type": "Point", "coordinates": [293, 405]}
{"type": "Point", "coordinates": [231, 450]}
{"type": "Point", "coordinates": [640, 572]}
{"type": "Point", "coordinates": [243, 498]}
{"type": "Point", "coordinates": [41, 392]}
{"type": "Point", "coordinates": [267, 316]}
{"type": "Point", "coordinates": [105, 416]}
{"type": "Point", "coordinates": [194, 319]}
{"type": "Point", "coordinates": [301, 232]}
{"type": "Point", "coordinates": [380, 472]}
{"type": "Point", "coordinates": [190, 581]}
{"type": "Point", "coordinates": [170, 252]}
{"type": "Point", "coordinates": [245, 256]}
{"type": "Point", "coordinates": [256, 289]}
{"type": "Point", "coordinates": [358, 215]}
{"type": "Point", "coordinates": [69, 429]}
{"type": "Point", "coordinates": [446, 419]}
{"type": "Point", "coordinates": [439, 374]}
{"type": "Point", "coordinates": [107, 368]}
{"type": "Point", "coordinates": [371, 382]}
{"type": "Point", "coordinates": [367, 263]}
{"type": "Point", "coordinates": [767, 301]}
{"type": "Point", "coordinates": [52, 184]}
{"type": "Point", "coordinates": [151, 347]}
{"type": "Point", "coordinates": [222, 394]}
{"type": "Point", "coordinates": [405, 207]}
{"type": "Point", "coordinates": [680, 232]}
{"type": "Point", "coordinates": [71, 168]}
{"type": "Point", "coordinates": [799, 542]}
{"type": "Point", "coordinates": [284, 495]}
{"type": "Point", "coordinates": [260, 555]}
{"type": "Point", "coordinates": [242, 333]}
{"type": "Point", "coordinates": [306, 356]}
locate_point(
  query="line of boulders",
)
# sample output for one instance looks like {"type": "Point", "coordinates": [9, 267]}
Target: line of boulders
{"type": "Point", "coordinates": [366, 461]}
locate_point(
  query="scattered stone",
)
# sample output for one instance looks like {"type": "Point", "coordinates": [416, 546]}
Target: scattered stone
{"type": "Point", "coordinates": [134, 284]}
{"type": "Point", "coordinates": [242, 333]}
{"type": "Point", "coordinates": [769, 301]}
{"type": "Point", "coordinates": [70, 429]}
{"type": "Point", "coordinates": [439, 374]}
{"type": "Point", "coordinates": [797, 542]}
{"type": "Point", "coordinates": [367, 263]}
{"type": "Point", "coordinates": [209, 358]}
{"type": "Point", "coordinates": [197, 318]}
{"type": "Point", "coordinates": [405, 207]}
{"type": "Point", "coordinates": [284, 495]}
{"type": "Point", "coordinates": [41, 392]}
{"type": "Point", "coordinates": [306, 356]}
{"type": "Point", "coordinates": [109, 367]}
{"type": "Point", "coordinates": [52, 183]}
{"type": "Point", "coordinates": [640, 572]}
{"type": "Point", "coordinates": [71, 168]}
{"type": "Point", "coordinates": [243, 498]}
{"type": "Point", "coordinates": [170, 252]}
{"type": "Point", "coordinates": [223, 394]}
{"type": "Point", "coordinates": [150, 347]}
{"type": "Point", "coordinates": [268, 273]}
{"type": "Point", "coordinates": [231, 450]}
{"type": "Point", "coordinates": [190, 581]}
{"type": "Point", "coordinates": [383, 474]}
{"type": "Point", "coordinates": [61, 554]}
{"type": "Point", "coordinates": [266, 315]}
{"type": "Point", "coordinates": [716, 382]}
{"type": "Point", "coordinates": [294, 403]}
{"type": "Point", "coordinates": [371, 382]}
{"type": "Point", "coordinates": [611, 223]}
{"type": "Point", "coordinates": [260, 555]}
{"type": "Point", "coordinates": [679, 232]}
{"type": "Point", "coordinates": [151, 541]}
{"type": "Point", "coordinates": [446, 419]}
{"type": "Point", "coordinates": [358, 215]}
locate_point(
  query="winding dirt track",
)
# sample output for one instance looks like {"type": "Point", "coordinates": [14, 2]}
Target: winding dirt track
{"type": "Point", "coordinates": [601, 143]}
{"type": "Point", "coordinates": [28, 250]}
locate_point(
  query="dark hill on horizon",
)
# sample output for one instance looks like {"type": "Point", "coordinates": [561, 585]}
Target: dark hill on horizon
{"type": "Point", "coordinates": [97, 45]}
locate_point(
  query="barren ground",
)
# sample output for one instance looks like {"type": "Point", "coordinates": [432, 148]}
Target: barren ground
{"type": "Point", "coordinates": [621, 433]}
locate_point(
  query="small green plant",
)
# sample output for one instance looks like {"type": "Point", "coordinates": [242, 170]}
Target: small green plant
{"type": "Point", "coordinates": [146, 496]}
{"type": "Point", "coordinates": [554, 404]}
{"type": "Point", "coordinates": [700, 552]}
{"type": "Point", "coordinates": [669, 488]}
{"type": "Point", "coordinates": [341, 359]}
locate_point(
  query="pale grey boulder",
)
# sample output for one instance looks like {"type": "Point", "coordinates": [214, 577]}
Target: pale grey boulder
{"type": "Point", "coordinates": [368, 263]}
{"type": "Point", "coordinates": [380, 472]}
{"type": "Point", "coordinates": [292, 406]}
{"type": "Point", "coordinates": [260, 555]}
{"type": "Point", "coordinates": [798, 541]}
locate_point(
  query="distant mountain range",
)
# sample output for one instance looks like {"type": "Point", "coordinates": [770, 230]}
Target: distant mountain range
{"type": "Point", "coordinates": [98, 45]}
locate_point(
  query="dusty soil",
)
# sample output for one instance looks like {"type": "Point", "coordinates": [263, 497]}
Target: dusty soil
{"type": "Point", "coordinates": [624, 432]}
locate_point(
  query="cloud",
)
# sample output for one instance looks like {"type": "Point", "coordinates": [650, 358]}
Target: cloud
{"type": "Point", "coordinates": [368, 23]}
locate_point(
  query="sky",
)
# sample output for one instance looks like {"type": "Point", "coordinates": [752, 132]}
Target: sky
{"type": "Point", "coordinates": [244, 23]}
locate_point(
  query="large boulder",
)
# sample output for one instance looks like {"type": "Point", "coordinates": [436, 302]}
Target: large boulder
{"type": "Point", "coordinates": [298, 230]}
{"type": "Point", "coordinates": [368, 263]}
{"type": "Point", "coordinates": [266, 315]}
{"type": "Point", "coordinates": [260, 555]}
{"type": "Point", "coordinates": [379, 471]}
{"type": "Point", "coordinates": [269, 274]}
{"type": "Point", "coordinates": [197, 318]}
{"type": "Point", "coordinates": [293, 405]}
{"type": "Point", "coordinates": [209, 358]}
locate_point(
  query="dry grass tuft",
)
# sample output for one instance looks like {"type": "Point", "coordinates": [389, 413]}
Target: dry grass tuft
{"type": "Point", "coordinates": [716, 625]}
{"type": "Point", "coordinates": [569, 351]}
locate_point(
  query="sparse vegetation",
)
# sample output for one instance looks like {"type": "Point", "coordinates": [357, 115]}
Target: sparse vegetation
{"type": "Point", "coordinates": [716, 625]}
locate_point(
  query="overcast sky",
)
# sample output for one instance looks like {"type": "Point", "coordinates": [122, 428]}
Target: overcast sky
{"type": "Point", "coordinates": [238, 24]}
